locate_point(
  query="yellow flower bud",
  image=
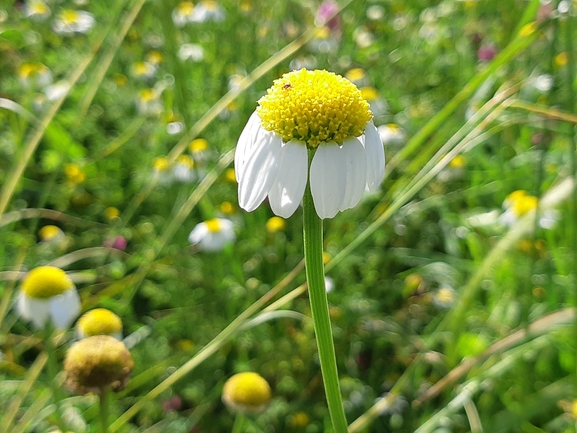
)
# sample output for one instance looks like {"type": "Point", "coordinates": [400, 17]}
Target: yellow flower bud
{"type": "Point", "coordinates": [246, 392]}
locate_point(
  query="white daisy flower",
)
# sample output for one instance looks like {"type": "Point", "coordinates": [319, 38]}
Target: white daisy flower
{"type": "Point", "coordinates": [183, 13]}
{"type": "Point", "coordinates": [183, 169]}
{"type": "Point", "coordinates": [208, 10]}
{"type": "Point", "coordinates": [309, 113]}
{"type": "Point", "coordinates": [48, 294]}
{"type": "Point", "coordinates": [193, 52]}
{"type": "Point", "coordinates": [212, 235]}
{"type": "Point", "coordinates": [37, 10]}
{"type": "Point", "coordinates": [70, 21]}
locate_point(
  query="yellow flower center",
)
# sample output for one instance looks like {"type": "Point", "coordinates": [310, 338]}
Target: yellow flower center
{"type": "Point", "coordinates": [160, 163]}
{"type": "Point", "coordinates": [46, 282]}
{"type": "Point", "coordinates": [198, 145]}
{"type": "Point", "coordinates": [69, 16]}
{"type": "Point", "coordinates": [38, 8]}
{"type": "Point", "coordinates": [99, 321]}
{"type": "Point", "coordinates": [185, 161]}
{"type": "Point", "coordinates": [524, 204]}
{"type": "Point", "coordinates": [314, 107]}
{"type": "Point", "coordinates": [111, 213]}
{"type": "Point", "coordinates": [74, 173]}
{"type": "Point", "coordinates": [155, 57]}
{"type": "Point", "coordinates": [227, 208]}
{"type": "Point", "coordinates": [561, 59]}
{"type": "Point", "coordinates": [147, 95]}
{"type": "Point", "coordinates": [213, 225]}
{"type": "Point", "coordinates": [247, 391]}
{"type": "Point", "coordinates": [186, 8]}
{"type": "Point", "coordinates": [457, 162]}
{"type": "Point", "coordinates": [210, 5]}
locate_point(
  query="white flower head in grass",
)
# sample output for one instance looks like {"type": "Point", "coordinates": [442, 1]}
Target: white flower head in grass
{"type": "Point", "coordinates": [519, 203]}
{"type": "Point", "coordinates": [36, 10]}
{"type": "Point", "coordinates": [183, 13]}
{"type": "Point", "coordinates": [48, 294]}
{"type": "Point", "coordinates": [70, 21]}
{"type": "Point", "coordinates": [99, 321]}
{"type": "Point", "coordinates": [208, 10]}
{"type": "Point", "coordinates": [34, 74]}
{"type": "Point", "coordinates": [183, 169]}
{"type": "Point", "coordinates": [213, 235]}
{"type": "Point", "coordinates": [316, 111]}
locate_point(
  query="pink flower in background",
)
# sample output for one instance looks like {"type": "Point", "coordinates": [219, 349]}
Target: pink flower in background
{"type": "Point", "coordinates": [486, 53]}
{"type": "Point", "coordinates": [326, 14]}
{"type": "Point", "coordinates": [119, 243]}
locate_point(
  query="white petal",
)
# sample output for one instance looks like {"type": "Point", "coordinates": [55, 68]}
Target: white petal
{"type": "Point", "coordinates": [289, 186]}
{"type": "Point", "coordinates": [356, 172]}
{"type": "Point", "coordinates": [260, 171]}
{"type": "Point", "coordinates": [328, 179]}
{"type": "Point", "coordinates": [246, 143]}
{"type": "Point", "coordinates": [35, 310]}
{"type": "Point", "coordinates": [198, 233]}
{"type": "Point", "coordinates": [65, 308]}
{"type": "Point", "coordinates": [375, 157]}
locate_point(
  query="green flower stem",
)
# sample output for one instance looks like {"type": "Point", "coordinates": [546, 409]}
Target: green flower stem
{"type": "Point", "coordinates": [52, 367]}
{"type": "Point", "coordinates": [238, 423]}
{"type": "Point", "coordinates": [313, 246]}
{"type": "Point", "coordinates": [103, 394]}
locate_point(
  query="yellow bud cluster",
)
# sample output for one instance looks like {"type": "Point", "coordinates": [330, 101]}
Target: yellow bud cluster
{"type": "Point", "coordinates": [314, 107]}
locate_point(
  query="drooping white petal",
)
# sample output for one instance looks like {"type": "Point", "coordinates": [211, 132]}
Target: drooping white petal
{"type": "Point", "coordinates": [35, 310]}
{"type": "Point", "coordinates": [353, 153]}
{"type": "Point", "coordinates": [289, 186]}
{"type": "Point", "coordinates": [65, 308]}
{"type": "Point", "coordinates": [375, 153]}
{"type": "Point", "coordinates": [259, 171]}
{"type": "Point", "coordinates": [198, 233]}
{"type": "Point", "coordinates": [246, 143]}
{"type": "Point", "coordinates": [328, 179]}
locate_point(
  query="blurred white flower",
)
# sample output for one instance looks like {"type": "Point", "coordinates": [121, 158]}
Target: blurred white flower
{"type": "Point", "coordinates": [363, 37]}
{"type": "Point", "coordinates": [183, 13]}
{"type": "Point", "coordinates": [212, 235]}
{"type": "Point", "coordinates": [37, 10]}
{"type": "Point", "coordinates": [47, 295]}
{"type": "Point", "coordinates": [519, 203]}
{"type": "Point", "coordinates": [34, 74]}
{"type": "Point", "coordinates": [193, 52]}
{"type": "Point", "coordinates": [208, 10]}
{"type": "Point", "coordinates": [57, 90]}
{"type": "Point", "coordinates": [142, 70]}
{"type": "Point", "coordinates": [183, 169]}
{"type": "Point", "coordinates": [148, 102]}
{"type": "Point", "coordinates": [392, 134]}
{"type": "Point", "coordinates": [70, 21]}
{"type": "Point", "coordinates": [445, 297]}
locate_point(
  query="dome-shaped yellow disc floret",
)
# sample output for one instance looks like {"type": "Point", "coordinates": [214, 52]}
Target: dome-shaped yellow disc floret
{"type": "Point", "coordinates": [314, 107]}
{"type": "Point", "coordinates": [45, 282]}
{"type": "Point", "coordinates": [97, 363]}
{"type": "Point", "coordinates": [99, 321]}
{"type": "Point", "coordinates": [246, 392]}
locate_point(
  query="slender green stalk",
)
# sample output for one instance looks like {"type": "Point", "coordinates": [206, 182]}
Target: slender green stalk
{"type": "Point", "coordinates": [238, 423]}
{"type": "Point", "coordinates": [313, 246]}
{"type": "Point", "coordinates": [103, 394]}
{"type": "Point", "coordinates": [52, 367]}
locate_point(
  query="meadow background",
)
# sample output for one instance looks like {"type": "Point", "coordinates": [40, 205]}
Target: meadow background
{"type": "Point", "coordinates": [451, 305]}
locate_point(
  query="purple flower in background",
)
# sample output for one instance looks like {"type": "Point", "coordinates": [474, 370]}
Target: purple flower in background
{"type": "Point", "coordinates": [119, 243]}
{"type": "Point", "coordinates": [326, 10]}
{"type": "Point", "coordinates": [486, 53]}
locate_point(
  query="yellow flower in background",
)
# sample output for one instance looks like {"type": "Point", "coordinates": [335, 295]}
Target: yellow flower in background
{"type": "Point", "coordinates": [304, 111]}
{"type": "Point", "coordinates": [51, 234]}
{"type": "Point", "coordinates": [275, 224]}
{"type": "Point", "coordinates": [74, 173]}
{"type": "Point", "coordinates": [99, 321]}
{"type": "Point", "coordinates": [148, 102]}
{"type": "Point", "coordinates": [111, 213]}
{"type": "Point", "coordinates": [246, 392]}
{"type": "Point", "coordinates": [519, 203]}
{"type": "Point", "coordinates": [154, 57]}
{"type": "Point", "coordinates": [142, 70]}
{"type": "Point", "coordinates": [36, 9]}
{"type": "Point", "coordinates": [48, 294]}
{"type": "Point", "coordinates": [230, 175]}
{"type": "Point", "coordinates": [183, 13]}
{"type": "Point", "coordinates": [227, 208]}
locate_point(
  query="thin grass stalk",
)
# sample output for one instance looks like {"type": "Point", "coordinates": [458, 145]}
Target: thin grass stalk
{"type": "Point", "coordinates": [513, 49]}
{"type": "Point", "coordinates": [33, 373]}
{"type": "Point", "coordinates": [215, 344]}
{"type": "Point", "coordinates": [107, 58]}
{"type": "Point", "coordinates": [31, 144]}
{"type": "Point", "coordinates": [26, 419]}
